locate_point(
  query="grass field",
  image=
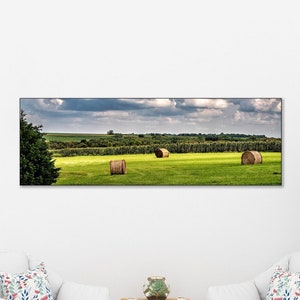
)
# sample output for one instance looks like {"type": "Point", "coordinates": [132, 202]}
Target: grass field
{"type": "Point", "coordinates": [197, 169]}
{"type": "Point", "coordinates": [72, 137]}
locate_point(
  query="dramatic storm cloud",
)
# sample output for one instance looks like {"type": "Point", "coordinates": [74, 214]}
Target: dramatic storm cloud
{"type": "Point", "coordinates": [157, 115]}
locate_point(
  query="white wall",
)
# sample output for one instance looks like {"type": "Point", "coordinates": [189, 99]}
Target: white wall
{"type": "Point", "coordinates": [113, 236]}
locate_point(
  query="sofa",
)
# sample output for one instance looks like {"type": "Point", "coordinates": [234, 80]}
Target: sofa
{"type": "Point", "coordinates": [280, 281]}
{"type": "Point", "coordinates": [14, 263]}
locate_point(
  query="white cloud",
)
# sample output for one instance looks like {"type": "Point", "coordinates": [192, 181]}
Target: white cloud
{"type": "Point", "coordinates": [206, 103]}
{"type": "Point", "coordinates": [267, 105]}
{"type": "Point", "coordinates": [158, 103]}
{"type": "Point", "coordinates": [205, 114]}
{"type": "Point", "coordinates": [238, 116]}
{"type": "Point", "coordinates": [50, 104]}
{"type": "Point", "coordinates": [172, 120]}
{"type": "Point", "coordinates": [152, 102]}
{"type": "Point", "coordinates": [111, 114]}
{"type": "Point", "coordinates": [256, 118]}
{"type": "Point", "coordinates": [211, 113]}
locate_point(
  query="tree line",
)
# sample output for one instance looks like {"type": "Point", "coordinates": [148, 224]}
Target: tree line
{"type": "Point", "coordinates": [269, 145]}
{"type": "Point", "coordinates": [155, 139]}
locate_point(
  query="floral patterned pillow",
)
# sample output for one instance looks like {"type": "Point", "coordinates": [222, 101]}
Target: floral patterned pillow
{"type": "Point", "coordinates": [31, 285]}
{"type": "Point", "coordinates": [284, 285]}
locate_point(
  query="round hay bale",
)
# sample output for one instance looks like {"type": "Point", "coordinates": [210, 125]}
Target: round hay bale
{"type": "Point", "coordinates": [117, 167]}
{"type": "Point", "coordinates": [161, 153]}
{"type": "Point", "coordinates": [251, 157]}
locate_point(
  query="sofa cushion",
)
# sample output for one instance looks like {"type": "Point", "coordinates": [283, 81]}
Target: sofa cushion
{"type": "Point", "coordinates": [294, 263]}
{"type": "Point", "coordinates": [30, 285]}
{"type": "Point", "coordinates": [245, 290]}
{"type": "Point", "coordinates": [284, 285]}
{"type": "Point", "coordinates": [13, 262]}
{"type": "Point", "coordinates": [76, 291]}
{"type": "Point", "coordinates": [55, 282]}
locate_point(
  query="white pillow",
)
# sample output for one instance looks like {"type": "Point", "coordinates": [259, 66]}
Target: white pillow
{"type": "Point", "coordinates": [240, 291]}
{"type": "Point", "coordinates": [76, 291]}
{"type": "Point", "coordinates": [294, 264]}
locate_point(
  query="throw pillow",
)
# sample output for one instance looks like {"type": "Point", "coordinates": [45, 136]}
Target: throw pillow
{"type": "Point", "coordinates": [284, 285]}
{"type": "Point", "coordinates": [31, 285]}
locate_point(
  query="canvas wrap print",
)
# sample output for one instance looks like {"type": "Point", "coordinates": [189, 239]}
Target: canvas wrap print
{"type": "Point", "coordinates": [151, 141]}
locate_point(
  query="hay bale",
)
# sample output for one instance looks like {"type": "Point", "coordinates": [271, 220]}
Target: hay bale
{"type": "Point", "coordinates": [161, 153]}
{"type": "Point", "coordinates": [117, 167]}
{"type": "Point", "coordinates": [251, 157]}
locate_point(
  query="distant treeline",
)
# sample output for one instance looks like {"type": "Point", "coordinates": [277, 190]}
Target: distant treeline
{"type": "Point", "coordinates": [116, 143]}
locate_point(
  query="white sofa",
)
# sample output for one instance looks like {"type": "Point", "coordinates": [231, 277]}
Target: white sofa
{"type": "Point", "coordinates": [18, 262]}
{"type": "Point", "coordinates": [254, 289]}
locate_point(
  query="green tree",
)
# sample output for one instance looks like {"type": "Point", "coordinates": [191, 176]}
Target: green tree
{"type": "Point", "coordinates": [36, 163]}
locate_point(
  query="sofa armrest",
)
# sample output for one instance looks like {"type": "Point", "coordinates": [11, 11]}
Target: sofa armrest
{"type": "Point", "coordinates": [245, 290]}
{"type": "Point", "coordinates": [76, 291]}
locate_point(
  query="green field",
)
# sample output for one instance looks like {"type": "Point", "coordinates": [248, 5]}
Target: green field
{"type": "Point", "coordinates": [72, 137]}
{"type": "Point", "coordinates": [195, 169]}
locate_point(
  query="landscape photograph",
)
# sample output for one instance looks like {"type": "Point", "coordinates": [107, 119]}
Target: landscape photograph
{"type": "Point", "coordinates": [151, 141]}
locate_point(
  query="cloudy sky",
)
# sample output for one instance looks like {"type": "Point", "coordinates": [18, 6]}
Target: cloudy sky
{"type": "Point", "coordinates": [155, 115]}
